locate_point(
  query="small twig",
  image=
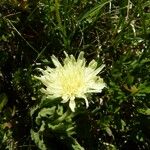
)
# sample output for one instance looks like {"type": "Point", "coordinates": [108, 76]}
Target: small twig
{"type": "Point", "coordinates": [41, 52]}
{"type": "Point", "coordinates": [21, 36]}
{"type": "Point", "coordinates": [9, 15]}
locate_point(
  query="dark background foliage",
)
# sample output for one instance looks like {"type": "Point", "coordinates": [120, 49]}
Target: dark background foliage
{"type": "Point", "coordinates": [115, 33]}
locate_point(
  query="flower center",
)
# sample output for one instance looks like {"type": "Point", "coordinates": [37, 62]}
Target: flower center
{"type": "Point", "coordinates": [72, 82]}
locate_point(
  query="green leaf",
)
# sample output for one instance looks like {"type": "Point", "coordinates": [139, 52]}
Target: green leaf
{"type": "Point", "coordinates": [109, 132]}
{"type": "Point", "coordinates": [144, 111]}
{"type": "Point", "coordinates": [76, 145]}
{"type": "Point", "coordinates": [144, 88]}
{"type": "Point", "coordinates": [38, 141]}
{"type": "Point", "coordinates": [45, 112]}
{"type": "Point", "coordinates": [92, 12]}
{"type": "Point", "coordinates": [3, 101]}
{"type": "Point", "coordinates": [123, 124]}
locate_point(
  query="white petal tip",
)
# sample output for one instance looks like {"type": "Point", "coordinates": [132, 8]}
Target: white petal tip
{"type": "Point", "coordinates": [72, 105]}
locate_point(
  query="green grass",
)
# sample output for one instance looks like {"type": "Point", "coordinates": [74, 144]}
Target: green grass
{"type": "Point", "coordinates": [115, 33]}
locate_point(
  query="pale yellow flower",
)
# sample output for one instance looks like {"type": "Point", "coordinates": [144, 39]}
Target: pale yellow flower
{"type": "Point", "coordinates": [72, 79]}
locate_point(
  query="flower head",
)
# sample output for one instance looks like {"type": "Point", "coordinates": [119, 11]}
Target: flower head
{"type": "Point", "coordinates": [72, 79]}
